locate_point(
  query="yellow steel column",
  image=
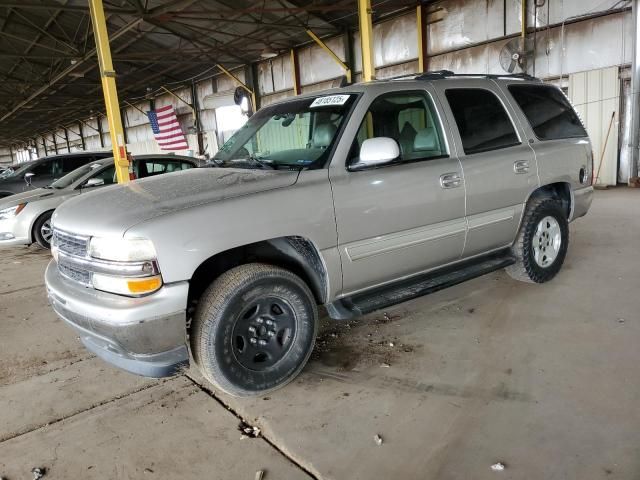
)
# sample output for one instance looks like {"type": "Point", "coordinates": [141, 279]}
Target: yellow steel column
{"type": "Point", "coordinates": [295, 72]}
{"type": "Point", "coordinates": [108, 76]}
{"type": "Point", "coordinates": [366, 39]}
{"type": "Point", "coordinates": [422, 38]}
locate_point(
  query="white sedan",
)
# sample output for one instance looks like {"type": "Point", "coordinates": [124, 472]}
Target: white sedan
{"type": "Point", "coordinates": [25, 218]}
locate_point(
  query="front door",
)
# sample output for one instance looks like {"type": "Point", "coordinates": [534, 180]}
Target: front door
{"type": "Point", "coordinates": [408, 216]}
{"type": "Point", "coordinates": [499, 165]}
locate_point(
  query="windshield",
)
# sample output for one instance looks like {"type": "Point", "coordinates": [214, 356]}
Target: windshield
{"type": "Point", "coordinates": [294, 134]}
{"type": "Point", "coordinates": [16, 170]}
{"type": "Point", "coordinates": [77, 174]}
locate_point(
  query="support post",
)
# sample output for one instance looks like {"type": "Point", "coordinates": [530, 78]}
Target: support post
{"type": "Point", "coordinates": [66, 139]}
{"type": "Point", "coordinates": [421, 25]}
{"type": "Point", "coordinates": [44, 145]}
{"type": "Point", "coordinates": [100, 132]}
{"type": "Point", "coordinates": [11, 154]}
{"type": "Point", "coordinates": [325, 47]}
{"type": "Point", "coordinates": [108, 76]}
{"type": "Point", "coordinates": [635, 95]}
{"type": "Point", "coordinates": [35, 145]}
{"type": "Point", "coordinates": [84, 145]}
{"type": "Point", "coordinates": [196, 118]}
{"type": "Point", "coordinates": [295, 72]}
{"type": "Point", "coordinates": [523, 20]}
{"type": "Point", "coordinates": [366, 39]}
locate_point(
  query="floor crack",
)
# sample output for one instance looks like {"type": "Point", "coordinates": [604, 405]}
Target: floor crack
{"type": "Point", "coordinates": [271, 442]}
{"type": "Point", "coordinates": [17, 434]}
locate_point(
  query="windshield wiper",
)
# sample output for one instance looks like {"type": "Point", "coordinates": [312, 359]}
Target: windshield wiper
{"type": "Point", "coordinates": [261, 162]}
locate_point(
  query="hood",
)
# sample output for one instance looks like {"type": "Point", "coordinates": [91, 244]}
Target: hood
{"type": "Point", "coordinates": [112, 210]}
{"type": "Point", "coordinates": [30, 196]}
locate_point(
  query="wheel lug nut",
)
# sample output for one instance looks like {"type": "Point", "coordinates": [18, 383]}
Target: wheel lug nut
{"type": "Point", "coordinates": [269, 322]}
{"type": "Point", "coordinates": [253, 340]}
{"type": "Point", "coordinates": [259, 320]}
{"type": "Point", "coordinates": [262, 342]}
{"type": "Point", "coordinates": [271, 333]}
{"type": "Point", "coordinates": [252, 330]}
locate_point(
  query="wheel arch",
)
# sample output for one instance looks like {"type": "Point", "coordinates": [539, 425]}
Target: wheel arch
{"type": "Point", "coordinates": [32, 237]}
{"type": "Point", "coordinates": [560, 191]}
{"type": "Point", "coordinates": [295, 253]}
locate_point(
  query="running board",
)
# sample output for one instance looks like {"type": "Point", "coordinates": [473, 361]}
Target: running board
{"type": "Point", "coordinates": [362, 303]}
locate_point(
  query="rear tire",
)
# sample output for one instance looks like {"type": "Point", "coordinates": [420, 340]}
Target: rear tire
{"type": "Point", "coordinates": [254, 329]}
{"type": "Point", "coordinates": [42, 230]}
{"type": "Point", "coordinates": [542, 242]}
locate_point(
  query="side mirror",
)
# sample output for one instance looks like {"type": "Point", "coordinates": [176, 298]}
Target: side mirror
{"type": "Point", "coordinates": [28, 177]}
{"type": "Point", "coordinates": [377, 151]}
{"type": "Point", "coordinates": [94, 182]}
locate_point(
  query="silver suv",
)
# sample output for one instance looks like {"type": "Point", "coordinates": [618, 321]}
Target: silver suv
{"type": "Point", "coordinates": [354, 199]}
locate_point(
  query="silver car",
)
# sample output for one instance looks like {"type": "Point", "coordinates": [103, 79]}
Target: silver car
{"type": "Point", "coordinates": [25, 218]}
{"type": "Point", "coordinates": [354, 199]}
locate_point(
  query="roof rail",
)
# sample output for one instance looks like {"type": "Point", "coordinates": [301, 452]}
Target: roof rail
{"type": "Point", "coordinates": [440, 74]}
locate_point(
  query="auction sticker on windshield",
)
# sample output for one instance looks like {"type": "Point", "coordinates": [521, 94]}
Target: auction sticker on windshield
{"type": "Point", "coordinates": [330, 100]}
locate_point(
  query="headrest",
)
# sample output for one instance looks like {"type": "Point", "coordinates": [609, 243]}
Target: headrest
{"type": "Point", "coordinates": [426, 139]}
{"type": "Point", "coordinates": [323, 135]}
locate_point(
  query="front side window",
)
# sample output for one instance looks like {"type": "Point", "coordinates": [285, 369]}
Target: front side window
{"type": "Point", "coordinates": [407, 117]}
{"type": "Point", "coordinates": [548, 111]}
{"type": "Point", "coordinates": [298, 133]}
{"type": "Point", "coordinates": [482, 121]}
{"type": "Point", "coordinates": [71, 178]}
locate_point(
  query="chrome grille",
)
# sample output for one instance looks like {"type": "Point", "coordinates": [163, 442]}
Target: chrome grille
{"type": "Point", "coordinates": [71, 244]}
{"type": "Point", "coordinates": [75, 274]}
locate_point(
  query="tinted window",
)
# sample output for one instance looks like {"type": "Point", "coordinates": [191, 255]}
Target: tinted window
{"type": "Point", "coordinates": [44, 168]}
{"type": "Point", "coordinates": [108, 175]}
{"type": "Point", "coordinates": [482, 120]}
{"type": "Point", "coordinates": [548, 111]}
{"type": "Point", "coordinates": [407, 117]}
{"type": "Point", "coordinates": [69, 164]}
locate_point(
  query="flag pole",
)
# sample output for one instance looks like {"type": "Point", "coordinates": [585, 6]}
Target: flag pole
{"type": "Point", "coordinates": [108, 76]}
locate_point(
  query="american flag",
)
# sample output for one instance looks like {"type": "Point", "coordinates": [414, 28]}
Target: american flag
{"type": "Point", "coordinates": [166, 129]}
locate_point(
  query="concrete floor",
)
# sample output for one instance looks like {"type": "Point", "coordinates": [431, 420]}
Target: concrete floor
{"type": "Point", "coordinates": [543, 378]}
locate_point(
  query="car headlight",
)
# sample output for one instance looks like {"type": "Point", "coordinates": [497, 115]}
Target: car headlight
{"type": "Point", "coordinates": [7, 213]}
{"type": "Point", "coordinates": [124, 266]}
{"type": "Point", "coordinates": [122, 250]}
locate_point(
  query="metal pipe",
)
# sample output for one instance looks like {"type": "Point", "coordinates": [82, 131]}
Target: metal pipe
{"type": "Point", "coordinates": [108, 76]}
{"type": "Point", "coordinates": [523, 34]}
{"type": "Point", "coordinates": [333, 55]}
{"type": "Point", "coordinates": [366, 39]}
{"type": "Point", "coordinates": [635, 97]}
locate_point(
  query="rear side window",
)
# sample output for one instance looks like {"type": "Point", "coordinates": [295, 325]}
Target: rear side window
{"type": "Point", "coordinates": [482, 120]}
{"type": "Point", "coordinates": [548, 111]}
{"type": "Point", "coordinates": [69, 164]}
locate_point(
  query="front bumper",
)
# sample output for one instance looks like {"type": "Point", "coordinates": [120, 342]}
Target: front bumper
{"type": "Point", "coordinates": [582, 199]}
{"type": "Point", "coordinates": [14, 231]}
{"type": "Point", "coordinates": [145, 336]}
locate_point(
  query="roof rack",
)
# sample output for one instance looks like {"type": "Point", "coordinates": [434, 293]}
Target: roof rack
{"type": "Point", "coordinates": [441, 74]}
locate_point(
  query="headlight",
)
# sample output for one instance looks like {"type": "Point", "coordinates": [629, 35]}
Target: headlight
{"type": "Point", "coordinates": [122, 250]}
{"type": "Point", "coordinates": [124, 266]}
{"type": "Point", "coordinates": [11, 212]}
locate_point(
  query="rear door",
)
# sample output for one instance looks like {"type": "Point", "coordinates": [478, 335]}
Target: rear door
{"type": "Point", "coordinates": [498, 163]}
{"type": "Point", "coordinates": [406, 217]}
{"type": "Point", "coordinates": [558, 138]}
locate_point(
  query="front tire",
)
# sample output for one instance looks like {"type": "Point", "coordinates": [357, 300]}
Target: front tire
{"type": "Point", "coordinates": [542, 242]}
{"type": "Point", "coordinates": [42, 230]}
{"type": "Point", "coordinates": [254, 329]}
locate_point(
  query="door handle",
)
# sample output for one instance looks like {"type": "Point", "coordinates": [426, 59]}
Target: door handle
{"type": "Point", "coordinates": [450, 180]}
{"type": "Point", "coordinates": [521, 166]}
